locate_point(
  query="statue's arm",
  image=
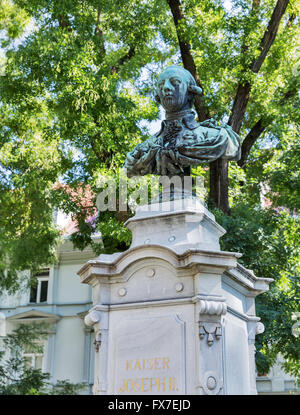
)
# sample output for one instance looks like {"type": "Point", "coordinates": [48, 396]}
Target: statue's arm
{"type": "Point", "coordinates": [233, 149]}
{"type": "Point", "coordinates": [209, 142]}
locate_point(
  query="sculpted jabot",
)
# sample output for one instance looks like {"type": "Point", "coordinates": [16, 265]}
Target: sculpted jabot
{"type": "Point", "coordinates": [181, 141]}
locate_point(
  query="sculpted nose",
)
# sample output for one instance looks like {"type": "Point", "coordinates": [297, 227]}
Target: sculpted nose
{"type": "Point", "coordinates": [167, 86]}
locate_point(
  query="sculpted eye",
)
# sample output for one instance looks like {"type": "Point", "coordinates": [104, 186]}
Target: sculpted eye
{"type": "Point", "coordinates": [175, 81]}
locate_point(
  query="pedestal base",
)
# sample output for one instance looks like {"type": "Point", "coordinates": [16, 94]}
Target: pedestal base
{"type": "Point", "coordinates": [173, 314]}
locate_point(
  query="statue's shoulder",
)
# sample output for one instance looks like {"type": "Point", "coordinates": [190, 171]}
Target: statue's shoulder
{"type": "Point", "coordinates": [151, 142]}
{"type": "Point", "coordinates": [156, 138]}
{"type": "Point", "coordinates": [191, 124]}
{"type": "Point", "coordinates": [208, 128]}
{"type": "Point", "coordinates": [210, 123]}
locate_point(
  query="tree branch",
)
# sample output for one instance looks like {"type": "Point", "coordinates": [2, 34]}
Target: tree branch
{"type": "Point", "coordinates": [123, 59]}
{"type": "Point", "coordinates": [249, 140]}
{"type": "Point", "coordinates": [291, 20]}
{"type": "Point", "coordinates": [260, 127]}
{"type": "Point", "coordinates": [270, 33]}
{"type": "Point", "coordinates": [64, 23]}
{"type": "Point", "coordinates": [239, 106]}
{"type": "Point", "coordinates": [186, 56]}
{"type": "Point", "coordinates": [102, 157]}
{"type": "Point", "coordinates": [99, 33]}
{"type": "Point", "coordinates": [243, 92]}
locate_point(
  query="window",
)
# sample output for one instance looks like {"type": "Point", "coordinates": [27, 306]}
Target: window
{"type": "Point", "coordinates": [34, 357]}
{"type": "Point", "coordinates": [34, 360]}
{"type": "Point", "coordinates": [39, 293]}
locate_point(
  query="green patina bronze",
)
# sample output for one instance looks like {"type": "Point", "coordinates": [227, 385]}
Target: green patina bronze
{"type": "Point", "coordinates": [181, 142]}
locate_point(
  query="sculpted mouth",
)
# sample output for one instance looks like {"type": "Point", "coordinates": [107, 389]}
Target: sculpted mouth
{"type": "Point", "coordinates": [169, 97]}
{"type": "Point", "coordinates": [169, 100]}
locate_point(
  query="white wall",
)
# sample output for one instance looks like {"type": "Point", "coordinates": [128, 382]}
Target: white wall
{"type": "Point", "coordinates": [69, 350]}
{"type": "Point", "coordinates": [68, 288]}
{"type": "Point", "coordinates": [19, 298]}
{"type": "Point", "coordinates": [67, 346]}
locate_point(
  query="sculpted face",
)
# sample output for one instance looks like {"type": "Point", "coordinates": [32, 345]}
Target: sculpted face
{"type": "Point", "coordinates": [172, 89]}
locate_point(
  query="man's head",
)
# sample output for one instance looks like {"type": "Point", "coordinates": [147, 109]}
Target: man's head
{"type": "Point", "coordinates": [176, 88]}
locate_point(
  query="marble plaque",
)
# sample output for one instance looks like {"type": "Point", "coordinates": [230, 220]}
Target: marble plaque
{"type": "Point", "coordinates": [150, 356]}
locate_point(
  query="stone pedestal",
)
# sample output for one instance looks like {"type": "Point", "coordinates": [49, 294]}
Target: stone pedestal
{"type": "Point", "coordinates": [173, 314]}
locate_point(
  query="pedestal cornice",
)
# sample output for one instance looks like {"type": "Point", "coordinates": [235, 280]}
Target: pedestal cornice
{"type": "Point", "coordinates": [113, 270]}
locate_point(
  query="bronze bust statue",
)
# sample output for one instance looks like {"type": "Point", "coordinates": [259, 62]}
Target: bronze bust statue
{"type": "Point", "coordinates": [181, 142]}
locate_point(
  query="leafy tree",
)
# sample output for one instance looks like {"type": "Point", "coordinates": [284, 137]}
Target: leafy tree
{"type": "Point", "coordinates": [270, 243]}
{"type": "Point", "coordinates": [18, 379]}
{"type": "Point", "coordinates": [77, 89]}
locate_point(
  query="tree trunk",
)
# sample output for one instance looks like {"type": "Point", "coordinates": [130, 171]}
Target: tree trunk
{"type": "Point", "coordinates": [219, 168]}
{"type": "Point", "coordinates": [219, 183]}
{"type": "Point", "coordinates": [249, 140]}
{"type": "Point", "coordinates": [187, 57]}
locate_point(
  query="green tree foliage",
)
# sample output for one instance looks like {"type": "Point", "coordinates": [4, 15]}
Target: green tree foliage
{"type": "Point", "coordinates": [270, 243]}
{"type": "Point", "coordinates": [18, 379]}
{"type": "Point", "coordinates": [77, 87]}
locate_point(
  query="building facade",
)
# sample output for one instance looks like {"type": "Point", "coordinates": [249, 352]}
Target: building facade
{"type": "Point", "coordinates": [61, 301]}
